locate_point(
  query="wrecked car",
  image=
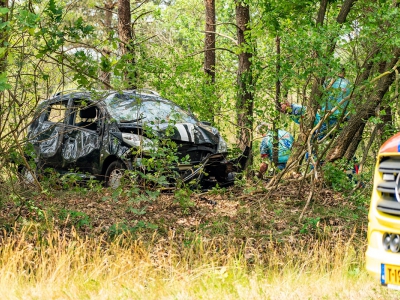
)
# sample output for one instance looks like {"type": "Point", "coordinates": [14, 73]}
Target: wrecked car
{"type": "Point", "coordinates": [99, 135]}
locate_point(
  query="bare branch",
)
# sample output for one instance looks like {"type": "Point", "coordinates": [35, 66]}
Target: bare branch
{"type": "Point", "coordinates": [385, 73]}
{"type": "Point", "coordinates": [141, 15]}
{"type": "Point", "coordinates": [218, 48]}
{"type": "Point", "coordinates": [145, 40]}
{"type": "Point", "coordinates": [310, 195]}
{"type": "Point", "coordinates": [139, 6]}
{"type": "Point", "coordinates": [72, 67]}
{"type": "Point", "coordinates": [223, 35]}
{"type": "Point", "coordinates": [109, 9]}
{"type": "Point", "coordinates": [226, 23]}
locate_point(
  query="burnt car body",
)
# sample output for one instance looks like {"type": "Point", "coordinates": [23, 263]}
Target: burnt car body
{"type": "Point", "coordinates": [99, 135]}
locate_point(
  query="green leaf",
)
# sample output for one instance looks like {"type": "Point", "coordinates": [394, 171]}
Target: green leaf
{"type": "Point", "coordinates": [26, 19]}
{"type": "Point", "coordinates": [2, 51]}
{"type": "Point", "coordinates": [54, 11]}
{"type": "Point", "coordinates": [4, 10]}
{"type": "Point", "coordinates": [3, 82]}
{"type": "Point", "coordinates": [4, 25]}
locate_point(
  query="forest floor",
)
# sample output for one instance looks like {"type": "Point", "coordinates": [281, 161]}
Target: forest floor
{"type": "Point", "coordinates": [269, 244]}
{"type": "Point", "coordinates": [240, 212]}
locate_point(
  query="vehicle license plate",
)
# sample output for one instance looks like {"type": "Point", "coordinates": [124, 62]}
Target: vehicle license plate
{"type": "Point", "coordinates": [390, 276]}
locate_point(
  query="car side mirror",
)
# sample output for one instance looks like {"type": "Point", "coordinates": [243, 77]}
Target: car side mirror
{"type": "Point", "coordinates": [206, 123]}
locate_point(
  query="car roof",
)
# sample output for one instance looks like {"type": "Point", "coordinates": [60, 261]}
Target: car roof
{"type": "Point", "coordinates": [64, 95]}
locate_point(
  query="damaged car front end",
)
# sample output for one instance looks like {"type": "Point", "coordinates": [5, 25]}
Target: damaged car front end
{"type": "Point", "coordinates": [100, 135]}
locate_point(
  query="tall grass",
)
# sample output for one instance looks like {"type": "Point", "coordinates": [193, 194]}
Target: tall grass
{"type": "Point", "coordinates": [52, 266]}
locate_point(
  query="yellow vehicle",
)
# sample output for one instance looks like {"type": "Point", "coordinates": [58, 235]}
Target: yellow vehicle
{"type": "Point", "coordinates": [383, 253]}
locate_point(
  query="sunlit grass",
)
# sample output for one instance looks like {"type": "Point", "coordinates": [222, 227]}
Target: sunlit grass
{"type": "Point", "coordinates": [47, 266]}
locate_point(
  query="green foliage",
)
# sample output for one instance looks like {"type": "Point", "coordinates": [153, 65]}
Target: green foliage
{"type": "Point", "coordinates": [77, 219]}
{"type": "Point", "coordinates": [277, 14]}
{"type": "Point", "coordinates": [3, 11]}
{"type": "Point", "coordinates": [69, 180]}
{"type": "Point", "coordinates": [27, 20]}
{"type": "Point", "coordinates": [310, 225]}
{"type": "Point", "coordinates": [3, 82]}
{"type": "Point", "coordinates": [54, 11]}
{"type": "Point", "coordinates": [138, 197]}
{"type": "Point", "coordinates": [219, 227]}
{"type": "Point", "coordinates": [182, 196]}
{"type": "Point", "coordinates": [122, 228]}
{"type": "Point", "coordinates": [217, 190]}
{"type": "Point", "coordinates": [79, 30]}
{"type": "Point", "coordinates": [156, 170]}
{"type": "Point", "coordinates": [339, 175]}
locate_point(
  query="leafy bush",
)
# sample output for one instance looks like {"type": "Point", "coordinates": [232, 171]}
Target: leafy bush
{"type": "Point", "coordinates": [182, 196]}
{"type": "Point", "coordinates": [76, 218]}
{"type": "Point", "coordinates": [339, 175]}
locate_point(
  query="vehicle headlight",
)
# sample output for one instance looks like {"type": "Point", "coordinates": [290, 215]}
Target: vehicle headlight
{"type": "Point", "coordinates": [131, 139]}
{"type": "Point", "coordinates": [139, 141]}
{"type": "Point", "coordinates": [222, 146]}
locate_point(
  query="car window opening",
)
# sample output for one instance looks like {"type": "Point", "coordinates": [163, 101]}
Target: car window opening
{"type": "Point", "coordinates": [86, 118]}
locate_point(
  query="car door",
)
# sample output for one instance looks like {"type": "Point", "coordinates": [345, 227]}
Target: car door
{"type": "Point", "coordinates": [83, 137]}
{"type": "Point", "coordinates": [48, 133]}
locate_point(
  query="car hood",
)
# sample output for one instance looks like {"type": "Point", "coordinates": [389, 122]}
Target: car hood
{"type": "Point", "coordinates": [197, 134]}
{"type": "Point", "coordinates": [189, 132]}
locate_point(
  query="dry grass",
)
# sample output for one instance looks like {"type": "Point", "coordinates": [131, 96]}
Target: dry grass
{"type": "Point", "coordinates": [37, 266]}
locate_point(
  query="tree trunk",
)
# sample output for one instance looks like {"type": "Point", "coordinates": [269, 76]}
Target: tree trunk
{"type": "Point", "coordinates": [125, 34]}
{"type": "Point", "coordinates": [364, 112]}
{"type": "Point", "coordinates": [357, 101]}
{"type": "Point", "coordinates": [245, 103]}
{"type": "Point", "coordinates": [209, 55]}
{"type": "Point", "coordinates": [357, 138]}
{"type": "Point", "coordinates": [322, 11]}
{"type": "Point", "coordinates": [109, 6]}
{"type": "Point", "coordinates": [275, 136]}
{"type": "Point", "coordinates": [209, 43]}
{"type": "Point", "coordinates": [344, 11]}
{"type": "Point", "coordinates": [386, 124]}
{"type": "Point", "coordinates": [340, 19]}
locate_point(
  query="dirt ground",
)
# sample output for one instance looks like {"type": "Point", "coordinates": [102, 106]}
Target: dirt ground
{"type": "Point", "coordinates": [247, 211]}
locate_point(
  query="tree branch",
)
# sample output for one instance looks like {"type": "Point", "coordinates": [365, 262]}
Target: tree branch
{"type": "Point", "coordinates": [109, 9]}
{"type": "Point", "coordinates": [344, 11]}
{"type": "Point", "coordinates": [223, 35]}
{"type": "Point", "coordinates": [141, 15]}
{"type": "Point", "coordinates": [218, 48]}
{"type": "Point", "coordinates": [226, 23]}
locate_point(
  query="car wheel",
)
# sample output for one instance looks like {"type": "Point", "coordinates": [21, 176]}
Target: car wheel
{"type": "Point", "coordinates": [114, 174]}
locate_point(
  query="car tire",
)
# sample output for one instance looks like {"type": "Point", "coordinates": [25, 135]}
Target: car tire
{"type": "Point", "coordinates": [114, 174]}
